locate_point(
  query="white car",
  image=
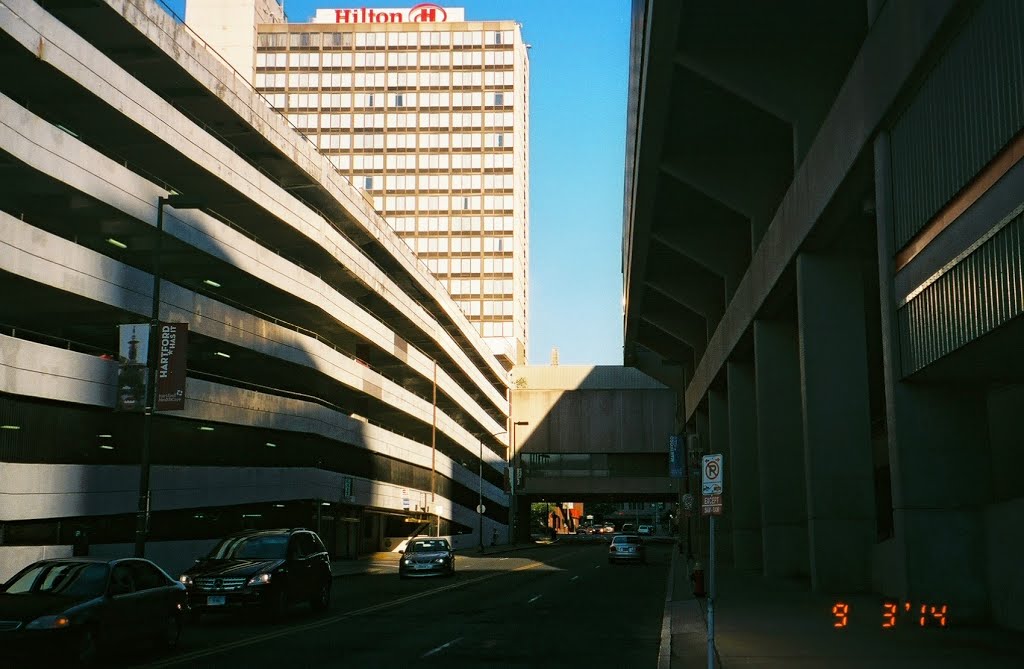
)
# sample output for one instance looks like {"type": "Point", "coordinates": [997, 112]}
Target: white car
{"type": "Point", "coordinates": [645, 530]}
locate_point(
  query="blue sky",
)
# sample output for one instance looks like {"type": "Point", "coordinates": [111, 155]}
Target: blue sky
{"type": "Point", "coordinates": [579, 70]}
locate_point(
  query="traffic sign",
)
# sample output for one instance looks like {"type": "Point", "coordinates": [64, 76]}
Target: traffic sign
{"type": "Point", "coordinates": [711, 473]}
{"type": "Point", "coordinates": [480, 508]}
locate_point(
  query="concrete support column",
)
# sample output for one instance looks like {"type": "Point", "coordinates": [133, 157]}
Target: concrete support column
{"type": "Point", "coordinates": [700, 523]}
{"type": "Point", "coordinates": [939, 457]}
{"type": "Point", "coordinates": [836, 422]}
{"type": "Point", "coordinates": [780, 449]}
{"type": "Point", "coordinates": [743, 496]}
{"type": "Point", "coordinates": [718, 436]}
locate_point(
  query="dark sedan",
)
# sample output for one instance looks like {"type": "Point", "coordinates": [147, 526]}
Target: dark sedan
{"type": "Point", "coordinates": [70, 610]}
{"type": "Point", "coordinates": [269, 569]}
{"type": "Point", "coordinates": [427, 557]}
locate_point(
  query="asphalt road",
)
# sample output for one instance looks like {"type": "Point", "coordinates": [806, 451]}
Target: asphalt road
{"type": "Point", "coordinates": [551, 606]}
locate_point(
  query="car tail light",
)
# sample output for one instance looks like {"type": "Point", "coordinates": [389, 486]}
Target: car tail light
{"type": "Point", "coordinates": [611, 549]}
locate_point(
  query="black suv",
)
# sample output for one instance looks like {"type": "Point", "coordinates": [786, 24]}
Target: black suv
{"type": "Point", "coordinates": [271, 569]}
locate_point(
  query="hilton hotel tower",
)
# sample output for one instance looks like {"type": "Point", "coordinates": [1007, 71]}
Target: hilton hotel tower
{"type": "Point", "coordinates": [425, 111]}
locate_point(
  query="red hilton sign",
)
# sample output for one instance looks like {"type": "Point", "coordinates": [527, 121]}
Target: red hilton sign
{"type": "Point", "coordinates": [425, 12]}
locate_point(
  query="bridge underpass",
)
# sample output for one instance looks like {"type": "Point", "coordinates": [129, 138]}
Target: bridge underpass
{"type": "Point", "coordinates": [590, 434]}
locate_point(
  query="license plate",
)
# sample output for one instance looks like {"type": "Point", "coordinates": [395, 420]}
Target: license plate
{"type": "Point", "coordinates": [216, 601]}
{"type": "Point", "coordinates": [629, 550]}
{"type": "Point", "coordinates": [422, 566]}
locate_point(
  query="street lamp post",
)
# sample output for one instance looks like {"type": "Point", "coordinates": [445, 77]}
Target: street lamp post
{"type": "Point", "coordinates": [512, 462]}
{"type": "Point", "coordinates": [480, 493]}
{"type": "Point", "coordinates": [142, 521]}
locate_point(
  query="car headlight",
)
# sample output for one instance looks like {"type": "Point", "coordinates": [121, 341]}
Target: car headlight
{"type": "Point", "coordinates": [406, 561]}
{"type": "Point", "coordinates": [441, 560]}
{"type": "Point", "coordinates": [259, 579]}
{"type": "Point", "coordinates": [185, 579]}
{"type": "Point", "coordinates": [49, 623]}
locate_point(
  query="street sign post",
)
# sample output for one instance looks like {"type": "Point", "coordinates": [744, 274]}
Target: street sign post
{"type": "Point", "coordinates": [711, 476]}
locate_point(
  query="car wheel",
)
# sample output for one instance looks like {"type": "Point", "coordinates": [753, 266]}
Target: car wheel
{"type": "Point", "coordinates": [277, 605]}
{"type": "Point", "coordinates": [171, 634]}
{"type": "Point", "coordinates": [322, 600]}
{"type": "Point", "coordinates": [87, 650]}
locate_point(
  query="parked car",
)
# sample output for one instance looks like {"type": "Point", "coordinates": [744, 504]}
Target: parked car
{"type": "Point", "coordinates": [645, 530]}
{"type": "Point", "coordinates": [427, 556]}
{"type": "Point", "coordinates": [627, 548]}
{"type": "Point", "coordinates": [68, 611]}
{"type": "Point", "coordinates": [267, 569]}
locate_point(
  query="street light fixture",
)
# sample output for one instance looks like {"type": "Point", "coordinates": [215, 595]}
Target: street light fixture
{"type": "Point", "coordinates": [480, 493]}
{"type": "Point", "coordinates": [176, 201]}
{"type": "Point", "coordinates": [512, 462]}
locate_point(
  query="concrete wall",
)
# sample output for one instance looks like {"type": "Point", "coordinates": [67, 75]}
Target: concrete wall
{"type": "Point", "coordinates": [14, 558]}
{"type": "Point", "coordinates": [1004, 519]}
{"type": "Point", "coordinates": [594, 421]}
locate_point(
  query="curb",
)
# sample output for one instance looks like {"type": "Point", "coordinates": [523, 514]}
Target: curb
{"type": "Point", "coordinates": [665, 647]}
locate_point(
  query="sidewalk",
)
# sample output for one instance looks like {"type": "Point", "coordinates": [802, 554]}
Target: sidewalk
{"type": "Point", "coordinates": [776, 624]}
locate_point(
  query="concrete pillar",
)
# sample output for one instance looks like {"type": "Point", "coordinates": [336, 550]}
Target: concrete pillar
{"type": "Point", "coordinates": [780, 449]}
{"type": "Point", "coordinates": [836, 422]}
{"type": "Point", "coordinates": [700, 523]}
{"type": "Point", "coordinates": [939, 457]}
{"type": "Point", "coordinates": [743, 496]}
{"type": "Point", "coordinates": [718, 436]}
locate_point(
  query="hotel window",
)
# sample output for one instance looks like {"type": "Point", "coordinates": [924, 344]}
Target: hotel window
{"type": "Point", "coordinates": [272, 40]}
{"type": "Point", "coordinates": [337, 40]}
{"type": "Point", "coordinates": [304, 40]}
{"type": "Point", "coordinates": [499, 99]}
{"type": "Point", "coordinates": [497, 38]}
{"type": "Point", "coordinates": [368, 183]}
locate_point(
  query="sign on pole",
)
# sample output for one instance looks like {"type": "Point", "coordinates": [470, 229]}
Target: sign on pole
{"type": "Point", "coordinates": [675, 456]}
{"type": "Point", "coordinates": [172, 354]}
{"type": "Point", "coordinates": [711, 470]}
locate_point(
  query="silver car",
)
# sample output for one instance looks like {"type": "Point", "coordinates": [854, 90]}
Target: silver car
{"type": "Point", "coordinates": [627, 548]}
{"type": "Point", "coordinates": [428, 556]}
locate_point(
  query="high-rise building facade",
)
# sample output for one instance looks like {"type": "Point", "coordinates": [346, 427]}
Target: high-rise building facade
{"type": "Point", "coordinates": [428, 114]}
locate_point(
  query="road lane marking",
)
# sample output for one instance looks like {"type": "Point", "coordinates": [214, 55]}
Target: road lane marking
{"type": "Point", "coordinates": [268, 636]}
{"type": "Point", "coordinates": [573, 578]}
{"type": "Point", "coordinates": [440, 648]}
{"type": "Point", "coordinates": [534, 599]}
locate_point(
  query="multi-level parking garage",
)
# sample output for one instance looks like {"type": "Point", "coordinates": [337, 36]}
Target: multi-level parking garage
{"type": "Point", "coordinates": [824, 237]}
{"type": "Point", "coordinates": [331, 381]}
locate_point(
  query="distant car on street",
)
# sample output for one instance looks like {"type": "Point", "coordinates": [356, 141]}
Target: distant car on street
{"type": "Point", "coordinates": [66, 612]}
{"type": "Point", "coordinates": [268, 569]}
{"type": "Point", "coordinates": [627, 548]}
{"type": "Point", "coordinates": [428, 556]}
{"type": "Point", "coordinates": [607, 528]}
{"type": "Point", "coordinates": [645, 530]}
{"type": "Point", "coordinates": [628, 528]}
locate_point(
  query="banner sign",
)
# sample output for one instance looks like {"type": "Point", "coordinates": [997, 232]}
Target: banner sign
{"type": "Point", "coordinates": [675, 456]}
{"type": "Point", "coordinates": [424, 12]}
{"type": "Point", "coordinates": [132, 376]}
{"type": "Point", "coordinates": [172, 355]}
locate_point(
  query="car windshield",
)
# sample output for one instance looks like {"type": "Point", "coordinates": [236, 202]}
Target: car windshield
{"type": "Point", "coordinates": [427, 546]}
{"type": "Point", "coordinates": [67, 579]}
{"type": "Point", "coordinates": [254, 547]}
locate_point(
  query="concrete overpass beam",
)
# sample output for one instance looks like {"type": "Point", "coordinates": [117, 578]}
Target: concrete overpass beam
{"type": "Point", "coordinates": [692, 291]}
{"type": "Point", "coordinates": [743, 496]}
{"type": "Point", "coordinates": [682, 324]}
{"type": "Point", "coordinates": [836, 422]}
{"type": "Point", "coordinates": [718, 438]}
{"type": "Point", "coordinates": [780, 449]}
